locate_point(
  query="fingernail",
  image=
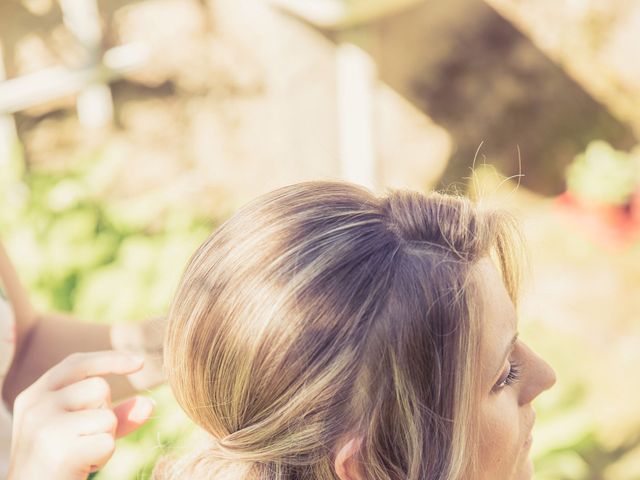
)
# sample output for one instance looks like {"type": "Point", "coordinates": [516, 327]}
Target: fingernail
{"type": "Point", "coordinates": [142, 410]}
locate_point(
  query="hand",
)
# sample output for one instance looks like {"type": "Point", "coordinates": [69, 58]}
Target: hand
{"type": "Point", "coordinates": [64, 427]}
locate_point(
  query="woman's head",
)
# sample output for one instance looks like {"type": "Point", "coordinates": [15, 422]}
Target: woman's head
{"type": "Point", "coordinates": [321, 316]}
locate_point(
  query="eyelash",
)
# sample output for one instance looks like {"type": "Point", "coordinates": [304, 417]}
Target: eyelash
{"type": "Point", "coordinates": [512, 377]}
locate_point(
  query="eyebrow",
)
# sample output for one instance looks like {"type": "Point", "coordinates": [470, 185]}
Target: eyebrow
{"type": "Point", "coordinates": [506, 353]}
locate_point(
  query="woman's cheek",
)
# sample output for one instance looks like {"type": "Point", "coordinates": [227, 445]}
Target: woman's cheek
{"type": "Point", "coordinates": [500, 437]}
{"type": "Point", "coordinates": [526, 470]}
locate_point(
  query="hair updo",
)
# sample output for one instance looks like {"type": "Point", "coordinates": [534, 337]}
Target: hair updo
{"type": "Point", "coordinates": [320, 312]}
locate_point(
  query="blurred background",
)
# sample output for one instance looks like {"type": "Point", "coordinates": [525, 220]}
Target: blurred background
{"type": "Point", "coordinates": [130, 129]}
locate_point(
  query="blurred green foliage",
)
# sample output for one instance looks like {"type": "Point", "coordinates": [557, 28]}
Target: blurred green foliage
{"type": "Point", "coordinates": [104, 259]}
{"type": "Point", "coordinates": [81, 250]}
{"type": "Point", "coordinates": [587, 426]}
{"type": "Point", "coordinates": [604, 175]}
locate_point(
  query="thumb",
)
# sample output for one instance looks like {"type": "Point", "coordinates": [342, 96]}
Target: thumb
{"type": "Point", "coordinates": [132, 414]}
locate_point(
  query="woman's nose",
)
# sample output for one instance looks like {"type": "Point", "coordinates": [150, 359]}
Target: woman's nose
{"type": "Point", "coordinates": [542, 377]}
{"type": "Point", "coordinates": [549, 375]}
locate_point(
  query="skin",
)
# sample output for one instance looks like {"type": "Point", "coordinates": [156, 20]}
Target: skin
{"type": "Point", "coordinates": [45, 339]}
{"type": "Point", "coordinates": [52, 432]}
{"type": "Point", "coordinates": [506, 412]}
{"type": "Point", "coordinates": [64, 424]}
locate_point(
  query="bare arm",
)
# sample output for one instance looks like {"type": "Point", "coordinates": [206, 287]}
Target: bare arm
{"type": "Point", "coordinates": [42, 340]}
{"type": "Point", "coordinates": [22, 308]}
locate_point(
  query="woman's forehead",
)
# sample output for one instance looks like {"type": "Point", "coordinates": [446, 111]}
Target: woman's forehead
{"type": "Point", "coordinates": [498, 322]}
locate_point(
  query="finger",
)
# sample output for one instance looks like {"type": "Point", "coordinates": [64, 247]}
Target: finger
{"type": "Point", "coordinates": [90, 422]}
{"type": "Point", "coordinates": [132, 414]}
{"type": "Point", "coordinates": [90, 393]}
{"type": "Point", "coordinates": [92, 451]}
{"type": "Point", "coordinates": [79, 366]}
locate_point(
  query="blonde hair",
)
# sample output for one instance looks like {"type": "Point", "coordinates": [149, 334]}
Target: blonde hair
{"type": "Point", "coordinates": [320, 312]}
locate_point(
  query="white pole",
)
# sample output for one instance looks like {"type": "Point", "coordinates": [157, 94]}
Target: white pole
{"type": "Point", "coordinates": [36, 88]}
{"type": "Point", "coordinates": [356, 82]}
{"type": "Point", "coordinates": [8, 132]}
{"type": "Point", "coordinates": [82, 18]}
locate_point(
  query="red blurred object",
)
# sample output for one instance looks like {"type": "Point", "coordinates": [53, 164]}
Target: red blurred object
{"type": "Point", "coordinates": [609, 225]}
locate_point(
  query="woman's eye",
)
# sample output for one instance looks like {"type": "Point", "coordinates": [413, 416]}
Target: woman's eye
{"type": "Point", "coordinates": [515, 369]}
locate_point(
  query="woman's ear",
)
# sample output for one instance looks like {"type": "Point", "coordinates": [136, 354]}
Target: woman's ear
{"type": "Point", "coordinates": [346, 463]}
